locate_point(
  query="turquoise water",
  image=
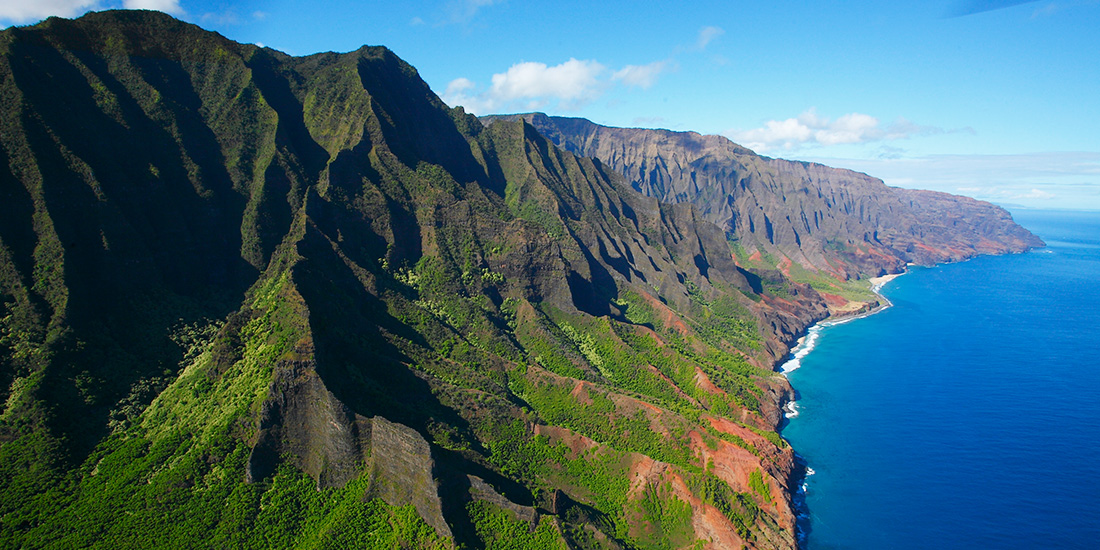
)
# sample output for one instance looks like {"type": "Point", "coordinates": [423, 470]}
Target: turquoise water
{"type": "Point", "coordinates": [968, 414]}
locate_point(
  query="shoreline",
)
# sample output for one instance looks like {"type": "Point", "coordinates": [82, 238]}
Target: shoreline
{"type": "Point", "coordinates": [800, 349]}
{"type": "Point", "coordinates": [878, 282]}
{"type": "Point", "coordinates": [789, 407]}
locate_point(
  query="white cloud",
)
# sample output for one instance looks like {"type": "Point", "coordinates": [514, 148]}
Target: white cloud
{"type": "Point", "coordinates": [573, 80]}
{"type": "Point", "coordinates": [850, 128]}
{"type": "Point", "coordinates": [642, 76]}
{"type": "Point", "coordinates": [225, 18]}
{"type": "Point", "coordinates": [531, 85]}
{"type": "Point", "coordinates": [25, 11]}
{"type": "Point", "coordinates": [788, 132]}
{"type": "Point", "coordinates": [459, 93]}
{"type": "Point", "coordinates": [1056, 179]}
{"type": "Point", "coordinates": [567, 87]}
{"type": "Point", "coordinates": [1035, 194]}
{"type": "Point", "coordinates": [810, 129]}
{"type": "Point", "coordinates": [1011, 193]}
{"type": "Point", "coordinates": [166, 6]}
{"type": "Point", "coordinates": [459, 86]}
{"type": "Point", "coordinates": [706, 35]}
{"type": "Point", "coordinates": [462, 11]}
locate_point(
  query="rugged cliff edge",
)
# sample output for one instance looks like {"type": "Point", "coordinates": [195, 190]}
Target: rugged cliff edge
{"type": "Point", "coordinates": [253, 300]}
{"type": "Point", "coordinates": [831, 220]}
{"type": "Point", "coordinates": [794, 220]}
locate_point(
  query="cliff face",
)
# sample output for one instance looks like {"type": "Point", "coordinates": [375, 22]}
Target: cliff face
{"type": "Point", "coordinates": [827, 219]}
{"type": "Point", "coordinates": [255, 300]}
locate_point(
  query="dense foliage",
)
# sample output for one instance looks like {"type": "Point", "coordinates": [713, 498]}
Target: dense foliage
{"type": "Point", "coordinates": [257, 301]}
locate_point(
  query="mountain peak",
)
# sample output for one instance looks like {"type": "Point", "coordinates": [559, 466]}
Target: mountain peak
{"type": "Point", "coordinates": [255, 300]}
{"type": "Point", "coordinates": [828, 220]}
{"type": "Point", "coordinates": [303, 287]}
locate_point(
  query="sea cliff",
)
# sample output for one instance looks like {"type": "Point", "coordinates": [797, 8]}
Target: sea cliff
{"type": "Point", "coordinates": [830, 226]}
{"type": "Point", "coordinates": [257, 300]}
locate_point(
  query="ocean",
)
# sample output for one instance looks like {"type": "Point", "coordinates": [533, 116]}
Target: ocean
{"type": "Point", "coordinates": [967, 415]}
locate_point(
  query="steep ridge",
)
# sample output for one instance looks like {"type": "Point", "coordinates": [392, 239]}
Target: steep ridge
{"type": "Point", "coordinates": [253, 300]}
{"type": "Point", "coordinates": [824, 219]}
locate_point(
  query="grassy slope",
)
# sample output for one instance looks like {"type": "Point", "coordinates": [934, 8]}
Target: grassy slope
{"type": "Point", "coordinates": [541, 327]}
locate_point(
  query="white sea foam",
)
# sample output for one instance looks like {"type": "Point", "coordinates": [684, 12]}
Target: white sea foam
{"type": "Point", "coordinates": [805, 346]}
{"type": "Point", "coordinates": [790, 410]}
{"type": "Point", "coordinates": [807, 343]}
{"type": "Point", "coordinates": [806, 480]}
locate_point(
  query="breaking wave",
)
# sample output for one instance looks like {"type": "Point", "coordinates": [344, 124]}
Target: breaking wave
{"type": "Point", "coordinates": [805, 346]}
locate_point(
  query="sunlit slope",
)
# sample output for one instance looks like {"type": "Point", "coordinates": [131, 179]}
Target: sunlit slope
{"type": "Point", "coordinates": [253, 300]}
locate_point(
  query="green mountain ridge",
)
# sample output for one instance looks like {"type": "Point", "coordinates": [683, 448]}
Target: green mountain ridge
{"type": "Point", "coordinates": [837, 222]}
{"type": "Point", "coordinates": [260, 301]}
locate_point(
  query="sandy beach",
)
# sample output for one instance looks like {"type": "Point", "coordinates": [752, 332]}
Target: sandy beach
{"type": "Point", "coordinates": [877, 282]}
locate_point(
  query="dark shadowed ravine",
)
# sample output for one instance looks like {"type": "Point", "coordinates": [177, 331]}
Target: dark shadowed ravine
{"type": "Point", "coordinates": [251, 300]}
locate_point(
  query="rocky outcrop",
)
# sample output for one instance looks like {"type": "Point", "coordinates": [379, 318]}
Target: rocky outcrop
{"type": "Point", "coordinates": [270, 269]}
{"type": "Point", "coordinates": [303, 420]}
{"type": "Point", "coordinates": [403, 472]}
{"type": "Point", "coordinates": [481, 490]}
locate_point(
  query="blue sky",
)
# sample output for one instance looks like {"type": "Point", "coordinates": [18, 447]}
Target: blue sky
{"type": "Point", "coordinates": [998, 100]}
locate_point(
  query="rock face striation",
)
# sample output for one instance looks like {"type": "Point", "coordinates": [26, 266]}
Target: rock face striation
{"type": "Point", "coordinates": [259, 300]}
{"type": "Point", "coordinates": [253, 300]}
{"type": "Point", "coordinates": [828, 219]}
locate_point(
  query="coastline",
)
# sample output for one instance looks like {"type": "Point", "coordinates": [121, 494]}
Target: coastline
{"type": "Point", "coordinates": [806, 342]}
{"type": "Point", "coordinates": [801, 471]}
{"type": "Point", "coordinates": [789, 405]}
{"type": "Point", "coordinates": [878, 282]}
{"type": "Point", "coordinates": [865, 492]}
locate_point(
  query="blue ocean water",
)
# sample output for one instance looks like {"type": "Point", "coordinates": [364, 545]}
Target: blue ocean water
{"type": "Point", "coordinates": [968, 414]}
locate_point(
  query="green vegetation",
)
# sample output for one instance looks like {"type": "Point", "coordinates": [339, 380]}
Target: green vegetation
{"type": "Point", "coordinates": [175, 494]}
{"type": "Point", "coordinates": [635, 309]}
{"type": "Point", "coordinates": [856, 290]}
{"type": "Point", "coordinates": [207, 313]}
{"type": "Point", "coordinates": [498, 529]}
{"type": "Point", "coordinates": [756, 481]}
{"type": "Point", "coordinates": [666, 518]}
{"type": "Point", "coordinates": [738, 507]}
